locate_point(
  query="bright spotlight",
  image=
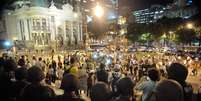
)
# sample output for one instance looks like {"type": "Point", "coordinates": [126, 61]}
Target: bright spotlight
{"type": "Point", "coordinates": [99, 11]}
{"type": "Point", "coordinates": [189, 25]}
{"type": "Point", "coordinates": [7, 43]}
{"type": "Point", "coordinates": [75, 15]}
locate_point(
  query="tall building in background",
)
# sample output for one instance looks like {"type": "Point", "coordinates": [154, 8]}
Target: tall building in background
{"type": "Point", "coordinates": [189, 2]}
{"type": "Point", "coordinates": [42, 24]}
{"type": "Point", "coordinates": [39, 3]}
{"type": "Point", "coordinates": [179, 9]}
{"type": "Point", "coordinates": [183, 3]}
{"type": "Point", "coordinates": [149, 15]}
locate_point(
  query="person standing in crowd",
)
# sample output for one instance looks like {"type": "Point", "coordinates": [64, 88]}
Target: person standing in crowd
{"type": "Point", "coordinates": [116, 75]}
{"type": "Point", "coordinates": [102, 74]}
{"type": "Point", "coordinates": [34, 61]}
{"type": "Point", "coordinates": [149, 85]}
{"type": "Point", "coordinates": [179, 72]}
{"type": "Point", "coordinates": [132, 63]}
{"type": "Point", "coordinates": [6, 77]}
{"type": "Point", "coordinates": [82, 75]}
{"type": "Point", "coordinates": [59, 62]}
{"type": "Point", "coordinates": [28, 64]}
{"type": "Point", "coordinates": [20, 84]}
{"type": "Point", "coordinates": [168, 90]}
{"type": "Point", "coordinates": [53, 71]}
{"type": "Point", "coordinates": [37, 91]}
{"type": "Point", "coordinates": [100, 92]}
{"type": "Point", "coordinates": [73, 66]}
{"type": "Point", "coordinates": [70, 85]}
{"type": "Point", "coordinates": [40, 63]}
{"type": "Point", "coordinates": [67, 60]}
{"type": "Point", "coordinates": [60, 72]}
{"type": "Point", "coordinates": [48, 78]}
{"type": "Point", "coordinates": [22, 61]}
{"type": "Point", "coordinates": [125, 88]}
{"type": "Point", "coordinates": [90, 82]}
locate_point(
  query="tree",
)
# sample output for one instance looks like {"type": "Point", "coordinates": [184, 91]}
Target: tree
{"type": "Point", "coordinates": [135, 30]}
{"type": "Point", "coordinates": [156, 30]}
{"type": "Point", "coordinates": [165, 24]}
{"type": "Point", "coordinates": [98, 28]}
{"type": "Point", "coordinates": [146, 37]}
{"type": "Point", "coordinates": [186, 36]}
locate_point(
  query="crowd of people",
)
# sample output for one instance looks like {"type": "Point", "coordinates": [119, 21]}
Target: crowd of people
{"type": "Point", "coordinates": [124, 78]}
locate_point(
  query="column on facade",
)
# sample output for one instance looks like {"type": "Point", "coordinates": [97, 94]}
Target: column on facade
{"type": "Point", "coordinates": [21, 29]}
{"type": "Point", "coordinates": [80, 29]}
{"type": "Point", "coordinates": [78, 32]}
{"type": "Point", "coordinates": [71, 33]}
{"type": "Point", "coordinates": [66, 31]}
{"type": "Point", "coordinates": [26, 29]}
{"type": "Point", "coordinates": [29, 22]}
{"type": "Point", "coordinates": [52, 28]}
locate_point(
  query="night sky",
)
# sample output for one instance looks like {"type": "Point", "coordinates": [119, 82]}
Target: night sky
{"type": "Point", "coordinates": [134, 4]}
{"type": "Point", "coordinates": [140, 4]}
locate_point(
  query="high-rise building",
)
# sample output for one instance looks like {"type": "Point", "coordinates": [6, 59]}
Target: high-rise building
{"type": "Point", "coordinates": [189, 2]}
{"type": "Point", "coordinates": [149, 15]}
{"type": "Point", "coordinates": [181, 8]}
{"type": "Point", "coordinates": [184, 13]}
{"type": "Point", "coordinates": [183, 3]}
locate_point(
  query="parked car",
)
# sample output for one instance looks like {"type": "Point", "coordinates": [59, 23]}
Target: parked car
{"type": "Point", "coordinates": [141, 48]}
{"type": "Point", "coordinates": [131, 49]}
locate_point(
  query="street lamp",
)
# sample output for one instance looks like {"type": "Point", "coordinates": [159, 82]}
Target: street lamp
{"type": "Point", "coordinates": [189, 26]}
{"type": "Point", "coordinates": [170, 32]}
{"type": "Point", "coordinates": [99, 10]}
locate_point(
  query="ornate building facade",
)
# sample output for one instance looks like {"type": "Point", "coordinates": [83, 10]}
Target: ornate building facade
{"type": "Point", "coordinates": [42, 26]}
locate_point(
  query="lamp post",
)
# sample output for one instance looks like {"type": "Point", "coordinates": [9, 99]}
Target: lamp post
{"type": "Point", "coordinates": [189, 26]}
{"type": "Point", "coordinates": [99, 10]}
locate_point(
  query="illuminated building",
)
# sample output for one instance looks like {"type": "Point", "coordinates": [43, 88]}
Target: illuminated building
{"type": "Point", "coordinates": [183, 3]}
{"type": "Point", "coordinates": [181, 8]}
{"type": "Point", "coordinates": [184, 13]}
{"type": "Point", "coordinates": [150, 15]}
{"type": "Point", "coordinates": [189, 2]}
{"type": "Point", "coordinates": [40, 24]}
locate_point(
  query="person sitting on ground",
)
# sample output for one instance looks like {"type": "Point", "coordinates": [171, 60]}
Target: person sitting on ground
{"type": "Point", "coordinates": [100, 92]}
{"type": "Point", "coordinates": [69, 84]}
{"type": "Point", "coordinates": [37, 91]}
{"type": "Point", "coordinates": [149, 85]}
{"type": "Point", "coordinates": [179, 72]}
{"type": "Point", "coordinates": [125, 88]}
{"type": "Point", "coordinates": [168, 90]}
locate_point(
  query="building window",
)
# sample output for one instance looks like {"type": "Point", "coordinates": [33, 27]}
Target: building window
{"type": "Point", "coordinates": [36, 24]}
{"type": "Point", "coordinates": [44, 24]}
